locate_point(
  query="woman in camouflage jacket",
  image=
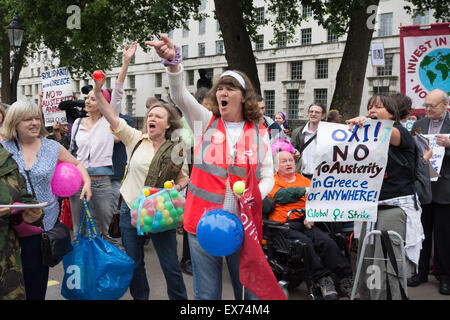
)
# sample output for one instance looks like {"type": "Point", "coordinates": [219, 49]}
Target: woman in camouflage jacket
{"type": "Point", "coordinates": [12, 189]}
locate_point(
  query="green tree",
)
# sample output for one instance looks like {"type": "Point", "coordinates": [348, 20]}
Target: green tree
{"type": "Point", "coordinates": [104, 27]}
{"type": "Point", "coordinates": [354, 18]}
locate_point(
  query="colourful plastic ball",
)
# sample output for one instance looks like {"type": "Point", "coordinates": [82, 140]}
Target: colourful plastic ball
{"type": "Point", "coordinates": [168, 185]}
{"type": "Point", "coordinates": [173, 193]}
{"type": "Point", "coordinates": [158, 215]}
{"type": "Point", "coordinates": [148, 220]}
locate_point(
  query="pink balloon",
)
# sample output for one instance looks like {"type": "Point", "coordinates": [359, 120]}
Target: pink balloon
{"type": "Point", "coordinates": [66, 180]}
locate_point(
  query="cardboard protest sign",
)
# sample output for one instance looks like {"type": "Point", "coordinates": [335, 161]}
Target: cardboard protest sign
{"type": "Point", "coordinates": [349, 171]}
{"type": "Point", "coordinates": [438, 154]}
{"type": "Point", "coordinates": [56, 87]}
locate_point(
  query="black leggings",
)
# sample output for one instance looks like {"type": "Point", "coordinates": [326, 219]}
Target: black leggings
{"type": "Point", "coordinates": [34, 272]}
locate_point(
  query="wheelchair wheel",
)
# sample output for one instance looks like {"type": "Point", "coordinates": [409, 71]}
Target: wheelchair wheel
{"type": "Point", "coordinates": [284, 287]}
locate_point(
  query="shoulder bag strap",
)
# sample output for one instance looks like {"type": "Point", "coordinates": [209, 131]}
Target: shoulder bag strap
{"type": "Point", "coordinates": [307, 143]}
{"type": "Point", "coordinates": [386, 245]}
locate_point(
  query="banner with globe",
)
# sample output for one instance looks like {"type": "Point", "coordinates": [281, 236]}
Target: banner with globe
{"type": "Point", "coordinates": [424, 61]}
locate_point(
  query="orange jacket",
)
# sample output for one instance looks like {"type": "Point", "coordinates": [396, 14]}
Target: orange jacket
{"type": "Point", "coordinates": [281, 210]}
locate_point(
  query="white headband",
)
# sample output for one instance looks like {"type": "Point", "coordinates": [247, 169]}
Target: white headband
{"type": "Point", "coordinates": [235, 75]}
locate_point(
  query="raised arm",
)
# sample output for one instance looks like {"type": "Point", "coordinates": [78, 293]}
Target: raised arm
{"type": "Point", "coordinates": [192, 110]}
{"type": "Point", "coordinates": [103, 106]}
{"type": "Point", "coordinates": [117, 93]}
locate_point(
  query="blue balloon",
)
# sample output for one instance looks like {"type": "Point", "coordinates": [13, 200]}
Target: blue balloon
{"type": "Point", "coordinates": [220, 233]}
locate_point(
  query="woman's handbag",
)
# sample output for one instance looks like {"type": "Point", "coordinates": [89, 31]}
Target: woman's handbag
{"type": "Point", "coordinates": [55, 244]}
{"type": "Point", "coordinates": [114, 229]}
{"type": "Point", "coordinates": [95, 269]}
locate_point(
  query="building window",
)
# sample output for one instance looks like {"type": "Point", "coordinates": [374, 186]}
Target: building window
{"type": "Point", "coordinates": [281, 42]}
{"type": "Point", "coordinates": [201, 49]}
{"type": "Point", "coordinates": [269, 98]}
{"type": "Point", "coordinates": [108, 83]}
{"type": "Point", "coordinates": [219, 47]}
{"type": "Point", "coordinates": [307, 11]}
{"type": "Point", "coordinates": [186, 31]}
{"type": "Point", "coordinates": [292, 99]}
{"type": "Point", "coordinates": [77, 85]}
{"type": "Point", "coordinates": [322, 69]}
{"type": "Point", "coordinates": [380, 90]}
{"type": "Point", "coordinates": [259, 42]}
{"type": "Point", "coordinates": [321, 96]}
{"type": "Point", "coordinates": [306, 36]}
{"type": "Point", "coordinates": [158, 79]}
{"type": "Point", "coordinates": [190, 77]}
{"type": "Point", "coordinates": [217, 26]}
{"type": "Point", "coordinates": [331, 36]}
{"type": "Point", "coordinates": [210, 73]}
{"type": "Point", "coordinates": [185, 51]}
{"type": "Point", "coordinates": [170, 35]}
{"type": "Point", "coordinates": [259, 15]}
{"type": "Point", "coordinates": [130, 105]}
{"type": "Point", "coordinates": [270, 72]}
{"type": "Point", "coordinates": [202, 5]}
{"type": "Point", "coordinates": [132, 82]}
{"type": "Point", "coordinates": [158, 96]}
{"type": "Point", "coordinates": [387, 69]}
{"type": "Point", "coordinates": [385, 25]}
{"type": "Point", "coordinates": [201, 27]}
{"type": "Point", "coordinates": [296, 70]}
{"type": "Point", "coordinates": [421, 18]}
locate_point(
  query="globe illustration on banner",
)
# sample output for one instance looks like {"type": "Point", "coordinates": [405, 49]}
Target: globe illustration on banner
{"type": "Point", "coordinates": [434, 70]}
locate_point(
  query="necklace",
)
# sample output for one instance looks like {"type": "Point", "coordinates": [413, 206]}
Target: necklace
{"type": "Point", "coordinates": [233, 143]}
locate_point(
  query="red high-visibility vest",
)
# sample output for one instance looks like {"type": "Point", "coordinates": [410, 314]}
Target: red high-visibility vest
{"type": "Point", "coordinates": [213, 164]}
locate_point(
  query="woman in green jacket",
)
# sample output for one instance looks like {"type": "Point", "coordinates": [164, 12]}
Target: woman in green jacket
{"type": "Point", "coordinates": [13, 189]}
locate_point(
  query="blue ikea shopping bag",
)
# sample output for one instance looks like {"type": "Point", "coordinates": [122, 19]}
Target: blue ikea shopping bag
{"type": "Point", "coordinates": [95, 269]}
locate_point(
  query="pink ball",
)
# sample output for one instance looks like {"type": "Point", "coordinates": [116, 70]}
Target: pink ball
{"type": "Point", "coordinates": [66, 180]}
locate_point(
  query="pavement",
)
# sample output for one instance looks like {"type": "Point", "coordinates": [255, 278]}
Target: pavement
{"type": "Point", "coordinates": [426, 291]}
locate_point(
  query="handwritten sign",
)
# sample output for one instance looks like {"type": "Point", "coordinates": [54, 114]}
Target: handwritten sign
{"type": "Point", "coordinates": [438, 154]}
{"type": "Point", "coordinates": [56, 88]}
{"type": "Point", "coordinates": [349, 171]}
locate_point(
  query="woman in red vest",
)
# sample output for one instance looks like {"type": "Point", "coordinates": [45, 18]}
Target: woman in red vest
{"type": "Point", "coordinates": [231, 137]}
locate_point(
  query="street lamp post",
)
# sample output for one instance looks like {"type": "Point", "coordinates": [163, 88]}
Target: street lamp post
{"type": "Point", "coordinates": [15, 34]}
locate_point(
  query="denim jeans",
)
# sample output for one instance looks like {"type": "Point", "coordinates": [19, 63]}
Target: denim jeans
{"type": "Point", "coordinates": [165, 244]}
{"type": "Point", "coordinates": [99, 205]}
{"type": "Point", "coordinates": [207, 273]}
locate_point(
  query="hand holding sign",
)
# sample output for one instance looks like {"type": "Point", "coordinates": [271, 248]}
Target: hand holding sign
{"type": "Point", "coordinates": [442, 140]}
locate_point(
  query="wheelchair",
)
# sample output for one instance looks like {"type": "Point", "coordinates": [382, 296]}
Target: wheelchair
{"type": "Point", "coordinates": [287, 258]}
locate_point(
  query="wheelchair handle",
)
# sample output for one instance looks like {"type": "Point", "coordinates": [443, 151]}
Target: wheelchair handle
{"type": "Point", "coordinates": [301, 212]}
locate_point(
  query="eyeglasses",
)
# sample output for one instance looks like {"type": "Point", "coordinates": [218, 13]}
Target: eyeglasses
{"type": "Point", "coordinates": [431, 106]}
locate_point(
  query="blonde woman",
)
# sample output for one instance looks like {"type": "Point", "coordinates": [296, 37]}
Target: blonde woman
{"type": "Point", "coordinates": [36, 157]}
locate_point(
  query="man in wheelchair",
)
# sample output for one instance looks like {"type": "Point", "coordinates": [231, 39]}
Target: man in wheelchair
{"type": "Point", "coordinates": [289, 193]}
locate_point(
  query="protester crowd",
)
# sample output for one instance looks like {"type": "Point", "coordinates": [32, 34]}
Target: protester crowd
{"type": "Point", "coordinates": [235, 135]}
